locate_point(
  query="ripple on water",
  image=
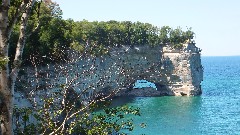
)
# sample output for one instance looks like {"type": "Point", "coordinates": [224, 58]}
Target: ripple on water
{"type": "Point", "coordinates": [217, 111]}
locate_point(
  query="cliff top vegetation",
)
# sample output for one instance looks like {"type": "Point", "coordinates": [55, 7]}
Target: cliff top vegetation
{"type": "Point", "coordinates": [54, 34]}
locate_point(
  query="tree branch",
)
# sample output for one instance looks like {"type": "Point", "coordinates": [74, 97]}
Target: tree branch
{"type": "Point", "coordinates": [68, 117]}
{"type": "Point", "coordinates": [15, 17]}
{"type": "Point", "coordinates": [22, 39]}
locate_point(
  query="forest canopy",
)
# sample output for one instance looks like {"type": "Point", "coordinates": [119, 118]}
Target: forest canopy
{"type": "Point", "coordinates": [38, 29]}
{"type": "Point", "coordinates": [54, 34]}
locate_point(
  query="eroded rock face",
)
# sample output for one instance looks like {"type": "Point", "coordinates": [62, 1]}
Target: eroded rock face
{"type": "Point", "coordinates": [174, 72]}
{"type": "Point", "coordinates": [183, 70]}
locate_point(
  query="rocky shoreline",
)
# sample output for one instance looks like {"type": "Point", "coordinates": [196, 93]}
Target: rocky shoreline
{"type": "Point", "coordinates": [143, 92]}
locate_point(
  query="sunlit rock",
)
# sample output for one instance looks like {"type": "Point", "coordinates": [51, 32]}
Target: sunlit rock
{"type": "Point", "coordinates": [173, 71]}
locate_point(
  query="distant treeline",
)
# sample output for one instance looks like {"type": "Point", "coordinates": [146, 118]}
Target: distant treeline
{"type": "Point", "coordinates": [113, 33]}
{"type": "Point", "coordinates": [54, 35]}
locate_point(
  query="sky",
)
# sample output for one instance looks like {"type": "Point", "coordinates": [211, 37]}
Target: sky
{"type": "Point", "coordinates": [216, 23]}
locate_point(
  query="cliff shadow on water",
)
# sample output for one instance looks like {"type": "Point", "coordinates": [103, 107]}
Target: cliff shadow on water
{"type": "Point", "coordinates": [162, 114]}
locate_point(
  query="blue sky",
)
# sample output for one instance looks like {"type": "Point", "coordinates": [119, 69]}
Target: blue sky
{"type": "Point", "coordinates": [215, 22]}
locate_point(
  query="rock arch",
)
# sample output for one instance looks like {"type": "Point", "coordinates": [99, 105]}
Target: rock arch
{"type": "Point", "coordinates": [174, 71]}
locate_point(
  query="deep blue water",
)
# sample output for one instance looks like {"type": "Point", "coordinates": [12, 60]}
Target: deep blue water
{"type": "Point", "coordinates": [215, 112]}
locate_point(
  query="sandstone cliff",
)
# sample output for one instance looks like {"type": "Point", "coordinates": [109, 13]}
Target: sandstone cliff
{"type": "Point", "coordinates": [174, 71]}
{"type": "Point", "coordinates": [183, 70]}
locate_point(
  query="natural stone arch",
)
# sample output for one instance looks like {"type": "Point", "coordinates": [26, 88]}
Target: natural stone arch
{"type": "Point", "coordinates": [174, 71]}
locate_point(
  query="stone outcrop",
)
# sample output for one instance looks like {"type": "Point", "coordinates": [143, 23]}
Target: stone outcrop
{"type": "Point", "coordinates": [174, 71]}
{"type": "Point", "coordinates": [183, 70]}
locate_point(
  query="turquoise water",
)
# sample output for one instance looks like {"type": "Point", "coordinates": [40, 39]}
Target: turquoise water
{"type": "Point", "coordinates": [215, 112]}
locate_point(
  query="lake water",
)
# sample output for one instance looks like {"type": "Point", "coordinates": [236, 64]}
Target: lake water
{"type": "Point", "coordinates": [215, 112]}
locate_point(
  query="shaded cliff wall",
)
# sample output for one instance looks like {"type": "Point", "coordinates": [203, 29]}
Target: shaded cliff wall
{"type": "Point", "coordinates": [174, 71]}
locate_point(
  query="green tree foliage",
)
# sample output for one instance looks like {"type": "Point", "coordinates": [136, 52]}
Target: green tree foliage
{"type": "Point", "coordinates": [96, 119]}
{"type": "Point", "coordinates": [113, 32]}
{"type": "Point", "coordinates": [50, 34]}
{"type": "Point", "coordinates": [164, 34]}
{"type": "Point", "coordinates": [54, 35]}
{"type": "Point", "coordinates": [3, 61]}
